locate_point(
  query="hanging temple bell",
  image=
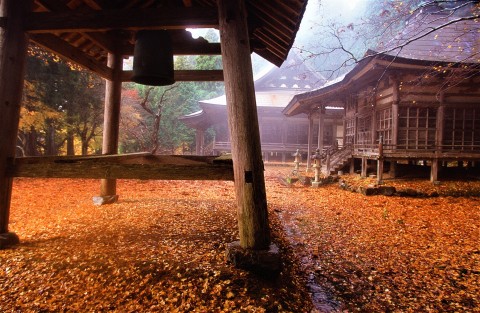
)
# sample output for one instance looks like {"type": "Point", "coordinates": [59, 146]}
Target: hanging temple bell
{"type": "Point", "coordinates": [153, 58]}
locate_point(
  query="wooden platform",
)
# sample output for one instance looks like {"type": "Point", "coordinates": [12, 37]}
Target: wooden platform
{"type": "Point", "coordinates": [125, 166]}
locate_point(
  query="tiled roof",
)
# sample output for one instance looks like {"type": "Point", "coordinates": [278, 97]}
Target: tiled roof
{"type": "Point", "coordinates": [438, 35]}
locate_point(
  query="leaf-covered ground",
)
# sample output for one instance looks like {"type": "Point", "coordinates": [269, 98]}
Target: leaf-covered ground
{"type": "Point", "coordinates": [161, 248]}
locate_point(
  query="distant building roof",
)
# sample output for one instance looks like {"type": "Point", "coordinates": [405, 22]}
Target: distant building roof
{"type": "Point", "coordinates": [293, 75]}
{"type": "Point", "coordinates": [439, 34]}
{"type": "Point", "coordinates": [366, 71]}
{"type": "Point", "coordinates": [274, 88]}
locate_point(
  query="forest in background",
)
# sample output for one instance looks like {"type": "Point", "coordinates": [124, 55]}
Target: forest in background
{"type": "Point", "coordinates": [62, 112]}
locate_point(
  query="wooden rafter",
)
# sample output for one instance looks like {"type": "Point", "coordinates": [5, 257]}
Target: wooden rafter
{"type": "Point", "coordinates": [61, 47]}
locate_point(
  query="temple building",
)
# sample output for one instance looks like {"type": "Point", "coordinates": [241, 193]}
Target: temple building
{"type": "Point", "coordinates": [416, 104]}
{"type": "Point", "coordinates": [280, 135]}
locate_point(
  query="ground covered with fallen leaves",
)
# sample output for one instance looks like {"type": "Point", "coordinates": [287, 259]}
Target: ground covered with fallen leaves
{"type": "Point", "coordinates": [161, 248]}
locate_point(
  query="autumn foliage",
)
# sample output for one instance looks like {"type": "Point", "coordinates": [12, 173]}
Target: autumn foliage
{"type": "Point", "coordinates": [161, 248]}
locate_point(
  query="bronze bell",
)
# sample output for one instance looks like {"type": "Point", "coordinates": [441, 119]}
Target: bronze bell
{"type": "Point", "coordinates": [153, 58]}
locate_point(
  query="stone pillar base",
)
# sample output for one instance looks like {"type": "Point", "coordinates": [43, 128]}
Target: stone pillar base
{"type": "Point", "coordinates": [101, 200]}
{"type": "Point", "coordinates": [316, 184]}
{"type": "Point", "coordinates": [8, 240]}
{"type": "Point", "coordinates": [263, 262]}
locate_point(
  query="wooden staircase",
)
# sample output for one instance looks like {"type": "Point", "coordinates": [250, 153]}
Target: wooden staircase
{"type": "Point", "coordinates": [334, 159]}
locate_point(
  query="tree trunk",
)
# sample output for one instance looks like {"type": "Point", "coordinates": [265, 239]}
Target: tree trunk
{"type": "Point", "coordinates": [70, 143]}
{"type": "Point", "coordinates": [85, 142]}
{"type": "Point", "coordinates": [50, 147]}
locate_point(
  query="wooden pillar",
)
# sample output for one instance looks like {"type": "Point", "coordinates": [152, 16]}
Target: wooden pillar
{"type": "Point", "coordinates": [321, 119]}
{"type": "Point", "coordinates": [396, 101]}
{"type": "Point", "coordinates": [310, 137]}
{"type": "Point", "coordinates": [364, 167]}
{"type": "Point", "coordinates": [243, 124]}
{"type": "Point", "coordinates": [13, 48]}
{"type": "Point", "coordinates": [393, 169]}
{"type": "Point", "coordinates": [434, 171]}
{"type": "Point", "coordinates": [440, 121]}
{"type": "Point", "coordinates": [380, 161]}
{"type": "Point", "coordinates": [352, 166]}
{"type": "Point", "coordinates": [374, 124]}
{"type": "Point", "coordinates": [199, 141]}
{"type": "Point", "coordinates": [111, 121]}
{"type": "Point", "coordinates": [334, 132]}
{"type": "Point", "coordinates": [380, 164]}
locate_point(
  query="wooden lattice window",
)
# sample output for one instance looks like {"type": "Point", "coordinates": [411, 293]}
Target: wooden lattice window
{"type": "Point", "coordinates": [384, 125]}
{"type": "Point", "coordinates": [462, 128]}
{"type": "Point", "coordinates": [364, 130]}
{"type": "Point", "coordinates": [297, 133]}
{"type": "Point", "coordinates": [417, 127]}
{"type": "Point", "coordinates": [349, 130]}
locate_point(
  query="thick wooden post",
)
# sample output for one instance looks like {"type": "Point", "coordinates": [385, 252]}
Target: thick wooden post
{"type": "Point", "coordinates": [13, 47]}
{"type": "Point", "coordinates": [434, 171]}
{"type": "Point", "coordinates": [243, 124]}
{"type": "Point", "coordinates": [396, 101]}
{"type": "Point", "coordinates": [393, 169]}
{"type": "Point", "coordinates": [321, 119]}
{"type": "Point", "coordinates": [440, 124]}
{"type": "Point", "coordinates": [373, 137]}
{"type": "Point", "coordinates": [352, 166]}
{"type": "Point", "coordinates": [364, 167]}
{"type": "Point", "coordinates": [309, 142]}
{"type": "Point", "coordinates": [111, 122]}
{"type": "Point", "coordinates": [380, 161]}
{"type": "Point", "coordinates": [199, 141]}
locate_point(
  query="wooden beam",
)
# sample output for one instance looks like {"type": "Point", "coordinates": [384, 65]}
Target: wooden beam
{"type": "Point", "coordinates": [186, 75]}
{"type": "Point", "coordinates": [131, 19]}
{"type": "Point", "coordinates": [69, 52]}
{"type": "Point", "coordinates": [103, 40]}
{"type": "Point", "coordinates": [134, 166]}
{"type": "Point", "coordinates": [184, 48]}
